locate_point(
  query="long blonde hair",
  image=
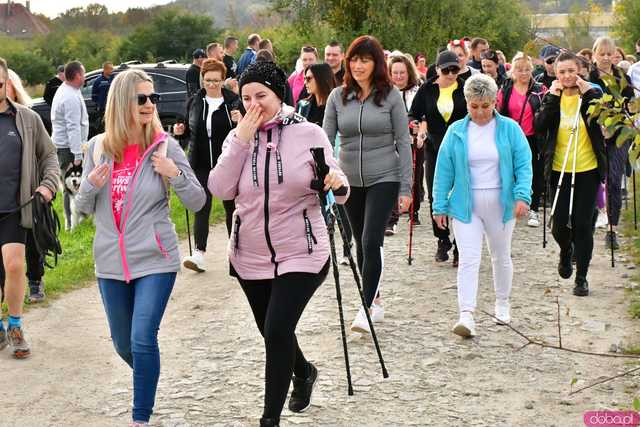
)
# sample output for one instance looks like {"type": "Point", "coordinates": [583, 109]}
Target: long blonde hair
{"type": "Point", "coordinates": [22, 97]}
{"type": "Point", "coordinates": [120, 116]}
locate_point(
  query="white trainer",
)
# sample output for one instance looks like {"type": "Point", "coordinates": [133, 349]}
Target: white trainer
{"type": "Point", "coordinates": [194, 262]}
{"type": "Point", "coordinates": [377, 313]}
{"type": "Point", "coordinates": [602, 220]}
{"type": "Point", "coordinates": [360, 323]}
{"type": "Point", "coordinates": [534, 220]}
{"type": "Point", "coordinates": [503, 312]}
{"type": "Point", "coordinates": [466, 326]}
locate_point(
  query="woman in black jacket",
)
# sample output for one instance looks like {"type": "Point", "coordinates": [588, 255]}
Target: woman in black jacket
{"type": "Point", "coordinates": [212, 112]}
{"type": "Point", "coordinates": [604, 49]}
{"type": "Point", "coordinates": [438, 104]}
{"type": "Point", "coordinates": [556, 119]}
{"type": "Point", "coordinates": [520, 98]}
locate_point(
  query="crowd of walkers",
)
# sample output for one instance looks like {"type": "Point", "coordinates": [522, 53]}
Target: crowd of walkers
{"type": "Point", "coordinates": [493, 140]}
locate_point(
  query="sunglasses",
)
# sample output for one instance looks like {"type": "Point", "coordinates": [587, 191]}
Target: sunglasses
{"type": "Point", "coordinates": [1, 85]}
{"type": "Point", "coordinates": [142, 98]}
{"type": "Point", "coordinates": [492, 56]}
{"type": "Point", "coordinates": [452, 70]}
{"type": "Point", "coordinates": [307, 79]}
{"type": "Point", "coordinates": [550, 60]}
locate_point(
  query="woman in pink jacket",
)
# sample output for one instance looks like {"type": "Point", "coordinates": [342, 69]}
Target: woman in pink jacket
{"type": "Point", "coordinates": [308, 56]}
{"type": "Point", "coordinates": [279, 246]}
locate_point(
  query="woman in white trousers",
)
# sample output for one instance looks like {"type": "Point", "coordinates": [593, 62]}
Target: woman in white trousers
{"type": "Point", "coordinates": [483, 182]}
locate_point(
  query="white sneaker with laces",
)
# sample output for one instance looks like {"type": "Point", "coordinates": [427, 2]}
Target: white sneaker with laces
{"type": "Point", "coordinates": [194, 262]}
{"type": "Point", "coordinates": [377, 313]}
{"type": "Point", "coordinates": [503, 312]}
{"type": "Point", "coordinates": [534, 220]}
{"type": "Point", "coordinates": [466, 326]}
{"type": "Point", "coordinates": [360, 323]}
{"type": "Point", "coordinates": [602, 220]}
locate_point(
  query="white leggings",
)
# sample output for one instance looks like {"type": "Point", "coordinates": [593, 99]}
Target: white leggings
{"type": "Point", "coordinates": [486, 219]}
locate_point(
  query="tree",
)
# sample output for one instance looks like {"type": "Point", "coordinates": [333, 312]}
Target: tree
{"type": "Point", "coordinates": [627, 22]}
{"type": "Point", "coordinates": [173, 34]}
{"type": "Point", "coordinates": [578, 32]}
{"type": "Point", "coordinates": [31, 67]}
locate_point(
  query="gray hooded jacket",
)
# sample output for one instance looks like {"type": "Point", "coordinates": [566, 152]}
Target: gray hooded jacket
{"type": "Point", "coordinates": [146, 242]}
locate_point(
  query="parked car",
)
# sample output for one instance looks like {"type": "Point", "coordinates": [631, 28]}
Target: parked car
{"type": "Point", "coordinates": [169, 79]}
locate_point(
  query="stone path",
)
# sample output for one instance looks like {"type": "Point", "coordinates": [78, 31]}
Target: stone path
{"type": "Point", "coordinates": [212, 355]}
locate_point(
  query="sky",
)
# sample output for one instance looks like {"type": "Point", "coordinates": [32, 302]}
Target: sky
{"type": "Point", "coordinates": [54, 8]}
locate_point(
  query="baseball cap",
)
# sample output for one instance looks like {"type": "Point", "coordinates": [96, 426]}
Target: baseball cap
{"type": "Point", "coordinates": [60, 69]}
{"type": "Point", "coordinates": [549, 51]}
{"type": "Point", "coordinates": [199, 53]}
{"type": "Point", "coordinates": [447, 59]}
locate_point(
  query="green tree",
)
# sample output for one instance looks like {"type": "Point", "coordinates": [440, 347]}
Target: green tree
{"type": "Point", "coordinates": [173, 34]}
{"type": "Point", "coordinates": [30, 66]}
{"type": "Point", "coordinates": [627, 23]}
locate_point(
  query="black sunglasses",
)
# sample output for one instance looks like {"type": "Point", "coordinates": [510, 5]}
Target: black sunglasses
{"type": "Point", "coordinates": [142, 98]}
{"type": "Point", "coordinates": [452, 70]}
{"type": "Point", "coordinates": [491, 56]}
{"type": "Point", "coordinates": [550, 60]}
{"type": "Point", "coordinates": [1, 85]}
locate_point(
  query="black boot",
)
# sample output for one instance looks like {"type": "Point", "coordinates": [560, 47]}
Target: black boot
{"type": "Point", "coordinates": [565, 268]}
{"type": "Point", "coordinates": [582, 287]}
{"type": "Point", "coordinates": [456, 257]}
{"type": "Point", "coordinates": [269, 422]}
{"type": "Point", "coordinates": [611, 239]}
{"type": "Point", "coordinates": [300, 399]}
{"type": "Point", "coordinates": [443, 248]}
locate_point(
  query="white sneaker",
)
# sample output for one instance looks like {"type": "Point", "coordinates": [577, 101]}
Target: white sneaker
{"type": "Point", "coordinates": [533, 221]}
{"type": "Point", "coordinates": [602, 220]}
{"type": "Point", "coordinates": [502, 312]}
{"type": "Point", "coordinates": [194, 262]}
{"type": "Point", "coordinates": [360, 323]}
{"type": "Point", "coordinates": [377, 313]}
{"type": "Point", "coordinates": [466, 327]}
{"type": "Point", "coordinates": [390, 231]}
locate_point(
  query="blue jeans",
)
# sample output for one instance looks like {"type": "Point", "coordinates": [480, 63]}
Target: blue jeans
{"type": "Point", "coordinates": [134, 312]}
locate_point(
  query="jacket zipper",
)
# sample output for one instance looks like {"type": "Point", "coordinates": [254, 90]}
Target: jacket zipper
{"type": "Point", "coordinates": [361, 140]}
{"type": "Point", "coordinates": [236, 235]}
{"type": "Point", "coordinates": [266, 204]}
{"type": "Point", "coordinates": [311, 239]}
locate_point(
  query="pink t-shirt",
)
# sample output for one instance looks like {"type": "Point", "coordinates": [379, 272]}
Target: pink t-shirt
{"type": "Point", "coordinates": [122, 173]}
{"type": "Point", "coordinates": [515, 109]}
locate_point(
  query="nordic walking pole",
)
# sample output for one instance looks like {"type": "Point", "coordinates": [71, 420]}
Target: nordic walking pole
{"type": "Point", "coordinates": [544, 213]}
{"type": "Point", "coordinates": [412, 210]}
{"type": "Point", "coordinates": [336, 277]}
{"type": "Point", "coordinates": [635, 212]}
{"type": "Point", "coordinates": [576, 129]}
{"type": "Point", "coordinates": [606, 188]}
{"type": "Point", "coordinates": [321, 170]}
{"type": "Point", "coordinates": [374, 336]}
{"type": "Point", "coordinates": [186, 212]}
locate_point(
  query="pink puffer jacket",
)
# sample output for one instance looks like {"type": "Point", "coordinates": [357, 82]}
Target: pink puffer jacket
{"type": "Point", "coordinates": [278, 226]}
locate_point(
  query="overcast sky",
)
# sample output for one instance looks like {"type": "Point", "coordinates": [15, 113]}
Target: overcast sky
{"type": "Point", "coordinates": [54, 8]}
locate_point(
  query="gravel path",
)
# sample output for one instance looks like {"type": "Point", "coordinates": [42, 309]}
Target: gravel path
{"type": "Point", "coordinates": [212, 354]}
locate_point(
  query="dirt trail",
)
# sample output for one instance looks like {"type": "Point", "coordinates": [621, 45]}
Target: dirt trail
{"type": "Point", "coordinates": [212, 370]}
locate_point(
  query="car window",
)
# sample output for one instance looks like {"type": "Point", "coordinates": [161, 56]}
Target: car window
{"type": "Point", "coordinates": [165, 84]}
{"type": "Point", "coordinates": [88, 85]}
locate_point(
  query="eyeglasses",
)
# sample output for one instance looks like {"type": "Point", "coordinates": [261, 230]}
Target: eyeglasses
{"type": "Point", "coordinates": [142, 98]}
{"type": "Point", "coordinates": [452, 70]}
{"type": "Point", "coordinates": [307, 79]}
{"type": "Point", "coordinates": [212, 82]}
{"type": "Point", "coordinates": [550, 60]}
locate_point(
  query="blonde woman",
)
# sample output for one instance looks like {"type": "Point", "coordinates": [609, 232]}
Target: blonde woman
{"type": "Point", "coordinates": [16, 92]}
{"type": "Point", "coordinates": [520, 98]}
{"type": "Point", "coordinates": [604, 53]}
{"type": "Point", "coordinates": [127, 172]}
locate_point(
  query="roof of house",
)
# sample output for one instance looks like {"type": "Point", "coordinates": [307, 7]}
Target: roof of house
{"type": "Point", "coordinates": [17, 21]}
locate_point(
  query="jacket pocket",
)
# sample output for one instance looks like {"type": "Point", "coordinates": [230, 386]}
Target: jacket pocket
{"type": "Point", "coordinates": [163, 250]}
{"type": "Point", "coordinates": [311, 239]}
{"type": "Point", "coordinates": [236, 235]}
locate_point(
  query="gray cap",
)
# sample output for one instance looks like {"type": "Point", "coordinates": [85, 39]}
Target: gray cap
{"type": "Point", "coordinates": [447, 59]}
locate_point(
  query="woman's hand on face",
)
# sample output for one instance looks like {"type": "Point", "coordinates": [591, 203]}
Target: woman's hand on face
{"type": "Point", "coordinates": [556, 87]}
{"type": "Point", "coordinates": [521, 209]}
{"type": "Point", "coordinates": [583, 86]}
{"type": "Point", "coordinates": [249, 124]}
{"type": "Point", "coordinates": [441, 221]}
{"type": "Point", "coordinates": [404, 203]}
{"type": "Point", "coordinates": [333, 181]}
{"type": "Point", "coordinates": [164, 166]}
{"type": "Point", "coordinates": [99, 175]}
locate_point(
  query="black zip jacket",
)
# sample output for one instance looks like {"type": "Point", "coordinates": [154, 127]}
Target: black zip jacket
{"type": "Point", "coordinates": [196, 128]}
{"type": "Point", "coordinates": [425, 107]}
{"type": "Point", "coordinates": [547, 121]}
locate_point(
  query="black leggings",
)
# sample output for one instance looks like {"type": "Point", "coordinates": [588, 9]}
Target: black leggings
{"type": "Point", "coordinates": [537, 163]}
{"type": "Point", "coordinates": [369, 209]}
{"type": "Point", "coordinates": [581, 230]}
{"type": "Point", "coordinates": [201, 221]}
{"type": "Point", "coordinates": [277, 305]}
{"type": "Point", "coordinates": [431, 156]}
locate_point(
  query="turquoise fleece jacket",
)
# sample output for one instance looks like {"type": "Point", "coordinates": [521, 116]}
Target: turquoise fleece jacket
{"type": "Point", "coordinates": [452, 193]}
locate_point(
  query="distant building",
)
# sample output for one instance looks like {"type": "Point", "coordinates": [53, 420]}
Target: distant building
{"type": "Point", "coordinates": [553, 24]}
{"type": "Point", "coordinates": [16, 20]}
